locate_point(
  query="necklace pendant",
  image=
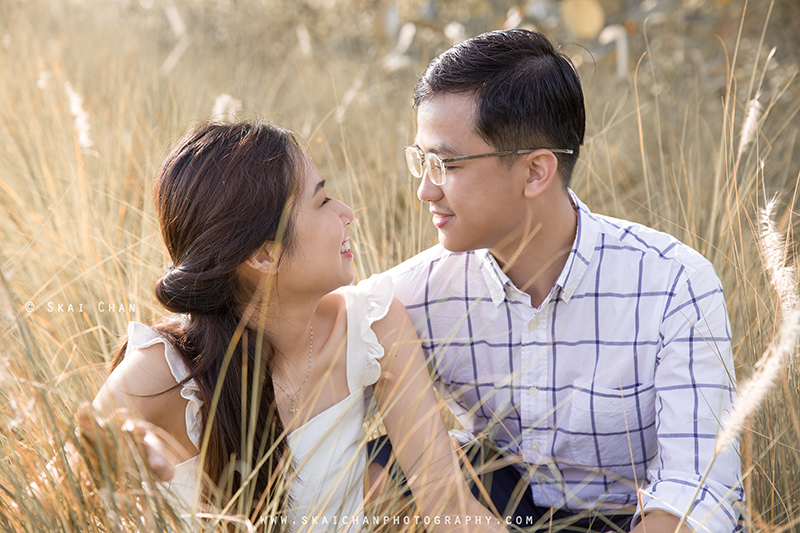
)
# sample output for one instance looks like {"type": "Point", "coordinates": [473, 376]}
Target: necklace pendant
{"type": "Point", "coordinates": [308, 373]}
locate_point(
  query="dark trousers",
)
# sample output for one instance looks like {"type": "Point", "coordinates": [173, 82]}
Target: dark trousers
{"type": "Point", "coordinates": [511, 495]}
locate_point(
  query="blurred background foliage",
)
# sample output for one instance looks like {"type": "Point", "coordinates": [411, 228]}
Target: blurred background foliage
{"type": "Point", "coordinates": [94, 91]}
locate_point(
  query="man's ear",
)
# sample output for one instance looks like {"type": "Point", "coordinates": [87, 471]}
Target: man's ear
{"type": "Point", "coordinates": [542, 169]}
{"type": "Point", "coordinates": [265, 260]}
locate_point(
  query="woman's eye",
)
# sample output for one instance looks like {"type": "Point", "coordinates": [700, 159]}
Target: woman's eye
{"type": "Point", "coordinates": [326, 200]}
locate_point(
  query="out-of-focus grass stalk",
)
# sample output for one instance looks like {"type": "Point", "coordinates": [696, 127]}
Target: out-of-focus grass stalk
{"type": "Point", "coordinates": [77, 223]}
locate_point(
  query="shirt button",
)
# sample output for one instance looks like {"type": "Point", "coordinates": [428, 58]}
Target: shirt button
{"type": "Point", "coordinates": [534, 446]}
{"type": "Point", "coordinates": [498, 295]}
{"type": "Point", "coordinates": [533, 391]}
{"type": "Point", "coordinates": [532, 325]}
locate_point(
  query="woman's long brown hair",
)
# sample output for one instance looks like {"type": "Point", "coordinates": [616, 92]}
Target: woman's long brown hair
{"type": "Point", "coordinates": [221, 194]}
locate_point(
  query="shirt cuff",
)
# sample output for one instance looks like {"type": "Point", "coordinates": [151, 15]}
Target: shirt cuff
{"type": "Point", "coordinates": [709, 512]}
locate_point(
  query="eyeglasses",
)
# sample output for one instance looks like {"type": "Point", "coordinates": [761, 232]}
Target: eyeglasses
{"type": "Point", "coordinates": [435, 165]}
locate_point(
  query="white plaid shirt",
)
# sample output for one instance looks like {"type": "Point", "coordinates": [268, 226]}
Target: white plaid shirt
{"type": "Point", "coordinates": [616, 382]}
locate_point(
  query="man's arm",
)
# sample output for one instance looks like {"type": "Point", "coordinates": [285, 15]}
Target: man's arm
{"type": "Point", "coordinates": [660, 522]}
{"type": "Point", "coordinates": [695, 383]}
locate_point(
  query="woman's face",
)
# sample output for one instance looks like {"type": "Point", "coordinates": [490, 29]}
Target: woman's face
{"type": "Point", "coordinates": [320, 259]}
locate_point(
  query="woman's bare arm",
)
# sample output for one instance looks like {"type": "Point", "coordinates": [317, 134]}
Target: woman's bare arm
{"type": "Point", "coordinates": [127, 407]}
{"type": "Point", "coordinates": [416, 428]}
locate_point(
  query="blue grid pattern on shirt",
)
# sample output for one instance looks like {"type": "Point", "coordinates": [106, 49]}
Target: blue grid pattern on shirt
{"type": "Point", "coordinates": [625, 294]}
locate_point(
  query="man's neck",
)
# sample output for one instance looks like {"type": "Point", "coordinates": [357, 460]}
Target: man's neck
{"type": "Point", "coordinates": [535, 261]}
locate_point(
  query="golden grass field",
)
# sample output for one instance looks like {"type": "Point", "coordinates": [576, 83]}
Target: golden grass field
{"type": "Point", "coordinates": [93, 92]}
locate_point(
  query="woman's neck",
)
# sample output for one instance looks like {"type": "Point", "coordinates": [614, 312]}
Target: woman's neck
{"type": "Point", "coordinates": [287, 323]}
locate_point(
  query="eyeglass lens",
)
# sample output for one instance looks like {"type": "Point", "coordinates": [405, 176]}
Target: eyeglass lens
{"type": "Point", "coordinates": [432, 163]}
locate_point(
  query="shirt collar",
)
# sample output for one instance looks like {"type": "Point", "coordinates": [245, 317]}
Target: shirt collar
{"type": "Point", "coordinates": [579, 256]}
{"type": "Point", "coordinates": [582, 249]}
{"type": "Point", "coordinates": [494, 276]}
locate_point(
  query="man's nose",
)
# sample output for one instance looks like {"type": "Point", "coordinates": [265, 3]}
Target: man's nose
{"type": "Point", "coordinates": [427, 191]}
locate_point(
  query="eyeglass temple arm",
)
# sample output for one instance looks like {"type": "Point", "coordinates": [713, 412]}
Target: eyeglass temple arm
{"type": "Point", "coordinates": [509, 152]}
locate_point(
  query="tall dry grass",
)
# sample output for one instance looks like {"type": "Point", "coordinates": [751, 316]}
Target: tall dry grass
{"type": "Point", "coordinates": [698, 136]}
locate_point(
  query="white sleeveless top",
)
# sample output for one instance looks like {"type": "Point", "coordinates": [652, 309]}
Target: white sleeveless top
{"type": "Point", "coordinates": [329, 450]}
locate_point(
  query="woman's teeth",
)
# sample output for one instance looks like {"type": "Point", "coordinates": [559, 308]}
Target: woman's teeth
{"type": "Point", "coordinates": [345, 247]}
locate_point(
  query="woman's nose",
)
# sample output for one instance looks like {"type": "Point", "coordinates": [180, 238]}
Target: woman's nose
{"type": "Point", "coordinates": [347, 214]}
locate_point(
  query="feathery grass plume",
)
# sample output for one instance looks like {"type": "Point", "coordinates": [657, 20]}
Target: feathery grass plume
{"type": "Point", "coordinates": [82, 125]}
{"type": "Point", "coordinates": [55, 357]}
{"type": "Point", "coordinates": [226, 108]}
{"type": "Point", "coordinates": [349, 96]}
{"type": "Point", "coordinates": [304, 40]}
{"type": "Point", "coordinates": [616, 33]}
{"type": "Point", "coordinates": [750, 126]}
{"type": "Point", "coordinates": [455, 32]}
{"type": "Point", "coordinates": [783, 278]}
{"type": "Point", "coordinates": [768, 368]}
{"type": "Point", "coordinates": [754, 111]}
{"type": "Point", "coordinates": [44, 77]}
{"type": "Point", "coordinates": [179, 29]}
{"type": "Point", "coordinates": [397, 58]}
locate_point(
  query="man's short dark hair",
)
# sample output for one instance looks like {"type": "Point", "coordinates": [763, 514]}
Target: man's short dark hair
{"type": "Point", "coordinates": [528, 94]}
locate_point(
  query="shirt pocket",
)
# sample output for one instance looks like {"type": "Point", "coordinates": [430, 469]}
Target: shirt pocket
{"type": "Point", "coordinates": [613, 428]}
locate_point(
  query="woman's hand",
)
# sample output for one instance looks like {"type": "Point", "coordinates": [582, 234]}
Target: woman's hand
{"type": "Point", "coordinates": [97, 433]}
{"type": "Point", "coordinates": [113, 438]}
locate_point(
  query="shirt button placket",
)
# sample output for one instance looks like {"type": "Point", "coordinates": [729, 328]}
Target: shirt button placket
{"type": "Point", "coordinates": [535, 363]}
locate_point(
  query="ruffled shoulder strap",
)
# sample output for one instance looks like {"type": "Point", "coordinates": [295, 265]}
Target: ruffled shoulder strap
{"type": "Point", "coordinates": [367, 302]}
{"type": "Point", "coordinates": [141, 336]}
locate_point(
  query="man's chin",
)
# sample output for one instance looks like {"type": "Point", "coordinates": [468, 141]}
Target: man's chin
{"type": "Point", "coordinates": [454, 245]}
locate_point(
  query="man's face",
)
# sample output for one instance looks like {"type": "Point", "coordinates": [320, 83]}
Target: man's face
{"type": "Point", "coordinates": [480, 205]}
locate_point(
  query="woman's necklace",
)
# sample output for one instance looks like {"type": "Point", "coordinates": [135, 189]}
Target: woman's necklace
{"type": "Point", "coordinates": [308, 373]}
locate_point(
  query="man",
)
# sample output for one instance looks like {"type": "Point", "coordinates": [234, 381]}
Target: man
{"type": "Point", "coordinates": [594, 353]}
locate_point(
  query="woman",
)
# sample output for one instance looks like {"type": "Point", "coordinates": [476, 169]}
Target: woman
{"type": "Point", "coordinates": [273, 418]}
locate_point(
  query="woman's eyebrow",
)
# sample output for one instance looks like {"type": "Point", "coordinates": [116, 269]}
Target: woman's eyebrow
{"type": "Point", "coordinates": [318, 187]}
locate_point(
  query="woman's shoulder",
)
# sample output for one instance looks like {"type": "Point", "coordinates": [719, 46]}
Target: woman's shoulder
{"type": "Point", "coordinates": [331, 317]}
{"type": "Point", "coordinates": [142, 377]}
{"type": "Point", "coordinates": [146, 382]}
{"type": "Point", "coordinates": [334, 303]}
{"type": "Point", "coordinates": [147, 370]}
{"type": "Point", "coordinates": [330, 327]}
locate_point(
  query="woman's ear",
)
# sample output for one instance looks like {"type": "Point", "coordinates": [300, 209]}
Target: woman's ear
{"type": "Point", "coordinates": [265, 260]}
{"type": "Point", "coordinates": [542, 168]}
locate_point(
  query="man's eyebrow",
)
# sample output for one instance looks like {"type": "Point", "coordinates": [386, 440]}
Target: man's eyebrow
{"type": "Point", "coordinates": [440, 149]}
